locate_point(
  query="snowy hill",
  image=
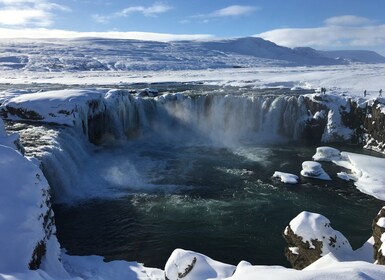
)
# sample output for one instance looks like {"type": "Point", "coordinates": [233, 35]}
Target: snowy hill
{"type": "Point", "coordinates": [91, 54]}
{"type": "Point", "coordinates": [355, 56]}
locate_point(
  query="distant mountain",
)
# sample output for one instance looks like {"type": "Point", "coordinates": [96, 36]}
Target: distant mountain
{"type": "Point", "coordinates": [93, 54]}
{"type": "Point", "coordinates": [355, 56]}
{"type": "Point", "coordinates": [258, 47]}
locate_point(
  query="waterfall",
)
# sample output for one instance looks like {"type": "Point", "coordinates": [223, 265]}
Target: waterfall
{"type": "Point", "coordinates": [118, 117]}
{"type": "Point", "coordinates": [219, 119]}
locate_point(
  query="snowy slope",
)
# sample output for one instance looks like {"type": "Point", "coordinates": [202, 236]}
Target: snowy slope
{"type": "Point", "coordinates": [112, 54]}
{"type": "Point", "coordinates": [355, 56]}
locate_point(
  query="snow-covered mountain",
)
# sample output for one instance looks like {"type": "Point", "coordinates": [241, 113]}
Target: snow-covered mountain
{"type": "Point", "coordinates": [112, 54]}
{"type": "Point", "coordinates": [355, 56]}
{"type": "Point", "coordinates": [92, 54]}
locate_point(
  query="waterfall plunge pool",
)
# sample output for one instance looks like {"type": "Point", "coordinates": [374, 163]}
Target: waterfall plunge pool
{"type": "Point", "coordinates": [219, 201]}
{"type": "Point", "coordinates": [198, 177]}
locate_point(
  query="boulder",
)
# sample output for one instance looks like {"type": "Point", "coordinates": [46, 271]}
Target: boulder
{"type": "Point", "coordinates": [188, 265]}
{"type": "Point", "coordinates": [314, 169]}
{"type": "Point", "coordinates": [309, 237]}
{"type": "Point", "coordinates": [326, 154]}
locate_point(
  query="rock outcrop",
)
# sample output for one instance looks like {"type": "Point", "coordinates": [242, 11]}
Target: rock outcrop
{"type": "Point", "coordinates": [378, 227]}
{"type": "Point", "coordinates": [188, 265]}
{"type": "Point", "coordinates": [344, 119]}
{"type": "Point", "coordinates": [27, 217]}
{"type": "Point", "coordinates": [309, 237]}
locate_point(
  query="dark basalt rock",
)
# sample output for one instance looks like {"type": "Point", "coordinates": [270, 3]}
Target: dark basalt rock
{"type": "Point", "coordinates": [307, 253]}
{"type": "Point", "coordinates": [37, 256]}
{"type": "Point", "coordinates": [377, 233]}
{"type": "Point", "coordinates": [23, 113]}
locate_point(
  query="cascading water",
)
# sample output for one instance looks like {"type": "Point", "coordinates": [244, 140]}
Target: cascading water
{"type": "Point", "coordinates": [221, 119]}
{"type": "Point", "coordinates": [191, 171]}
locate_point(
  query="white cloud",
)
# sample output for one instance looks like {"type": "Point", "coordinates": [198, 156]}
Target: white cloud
{"type": "Point", "coordinates": [28, 12]}
{"type": "Point", "coordinates": [347, 20]}
{"type": "Point", "coordinates": [41, 33]}
{"type": "Point", "coordinates": [150, 11]}
{"type": "Point", "coordinates": [230, 11]}
{"type": "Point", "coordinates": [157, 8]}
{"type": "Point", "coordinates": [235, 10]}
{"type": "Point", "coordinates": [340, 32]}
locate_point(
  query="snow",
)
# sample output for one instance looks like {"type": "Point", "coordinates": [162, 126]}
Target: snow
{"type": "Point", "coordinates": [367, 172]}
{"type": "Point", "coordinates": [93, 267]}
{"type": "Point", "coordinates": [345, 176]}
{"type": "Point", "coordinates": [313, 226]}
{"type": "Point", "coordinates": [294, 250]}
{"type": "Point", "coordinates": [286, 178]}
{"type": "Point", "coordinates": [354, 270]}
{"type": "Point", "coordinates": [22, 208]}
{"type": "Point", "coordinates": [381, 222]}
{"type": "Point", "coordinates": [314, 169]}
{"type": "Point", "coordinates": [382, 248]}
{"type": "Point", "coordinates": [192, 266]}
{"type": "Point", "coordinates": [326, 154]}
{"type": "Point", "coordinates": [59, 106]}
{"type": "Point", "coordinates": [117, 55]}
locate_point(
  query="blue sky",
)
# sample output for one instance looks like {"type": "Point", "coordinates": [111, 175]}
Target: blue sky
{"type": "Point", "coordinates": [322, 24]}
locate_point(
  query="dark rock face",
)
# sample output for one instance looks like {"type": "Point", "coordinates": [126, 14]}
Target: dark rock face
{"type": "Point", "coordinates": [23, 113]}
{"type": "Point", "coordinates": [377, 233]}
{"type": "Point", "coordinates": [48, 224]}
{"type": "Point", "coordinates": [305, 254]}
{"type": "Point", "coordinates": [365, 120]}
{"type": "Point", "coordinates": [374, 124]}
{"type": "Point", "coordinates": [37, 256]}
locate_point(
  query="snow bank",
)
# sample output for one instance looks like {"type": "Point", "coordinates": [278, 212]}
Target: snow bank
{"type": "Point", "coordinates": [328, 267]}
{"type": "Point", "coordinates": [22, 210]}
{"type": "Point", "coordinates": [94, 267]}
{"type": "Point", "coordinates": [193, 266]}
{"type": "Point", "coordinates": [314, 169]}
{"type": "Point", "coordinates": [286, 178]}
{"type": "Point", "coordinates": [354, 270]}
{"type": "Point", "coordinates": [367, 172]}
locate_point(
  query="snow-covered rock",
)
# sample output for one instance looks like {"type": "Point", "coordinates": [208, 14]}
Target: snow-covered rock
{"type": "Point", "coordinates": [309, 237]}
{"type": "Point", "coordinates": [25, 216]}
{"type": "Point", "coordinates": [378, 227]}
{"type": "Point", "coordinates": [326, 154]}
{"type": "Point", "coordinates": [10, 140]}
{"type": "Point", "coordinates": [286, 178]}
{"type": "Point", "coordinates": [188, 265]}
{"type": "Point", "coordinates": [314, 169]}
{"type": "Point", "coordinates": [59, 106]}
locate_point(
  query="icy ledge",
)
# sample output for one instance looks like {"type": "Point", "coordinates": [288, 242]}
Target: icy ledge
{"type": "Point", "coordinates": [366, 171]}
